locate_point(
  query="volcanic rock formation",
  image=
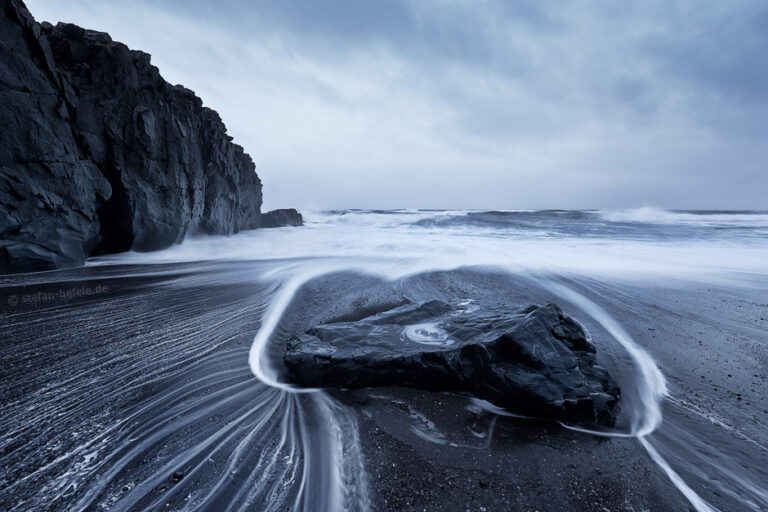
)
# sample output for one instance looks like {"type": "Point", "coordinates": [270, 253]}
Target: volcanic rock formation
{"type": "Point", "coordinates": [281, 217]}
{"type": "Point", "coordinates": [99, 154]}
{"type": "Point", "coordinates": [535, 361]}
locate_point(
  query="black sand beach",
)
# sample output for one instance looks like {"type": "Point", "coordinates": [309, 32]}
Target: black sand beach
{"type": "Point", "coordinates": [141, 394]}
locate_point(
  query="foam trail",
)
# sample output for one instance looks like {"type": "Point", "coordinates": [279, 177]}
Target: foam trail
{"type": "Point", "coordinates": [695, 500]}
{"type": "Point", "coordinates": [258, 356]}
{"type": "Point", "coordinates": [340, 471]}
{"type": "Point", "coordinates": [652, 389]}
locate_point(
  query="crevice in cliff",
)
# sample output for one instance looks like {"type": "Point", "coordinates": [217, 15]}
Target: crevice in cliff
{"type": "Point", "coordinates": [115, 218]}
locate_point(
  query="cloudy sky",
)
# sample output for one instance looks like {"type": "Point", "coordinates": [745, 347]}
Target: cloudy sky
{"type": "Point", "coordinates": [472, 103]}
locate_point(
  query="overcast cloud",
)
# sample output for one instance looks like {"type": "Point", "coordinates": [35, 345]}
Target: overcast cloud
{"type": "Point", "coordinates": [472, 104]}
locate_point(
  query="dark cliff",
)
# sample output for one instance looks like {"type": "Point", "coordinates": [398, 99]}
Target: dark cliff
{"type": "Point", "coordinates": [99, 154]}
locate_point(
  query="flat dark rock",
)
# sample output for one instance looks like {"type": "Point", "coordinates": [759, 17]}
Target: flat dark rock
{"type": "Point", "coordinates": [533, 361]}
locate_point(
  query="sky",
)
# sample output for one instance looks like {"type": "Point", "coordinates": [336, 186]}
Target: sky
{"type": "Point", "coordinates": [488, 104]}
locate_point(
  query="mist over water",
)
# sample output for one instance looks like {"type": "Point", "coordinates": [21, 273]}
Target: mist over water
{"type": "Point", "coordinates": [595, 264]}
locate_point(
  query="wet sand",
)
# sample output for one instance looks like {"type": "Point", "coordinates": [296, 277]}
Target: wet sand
{"type": "Point", "coordinates": [515, 465]}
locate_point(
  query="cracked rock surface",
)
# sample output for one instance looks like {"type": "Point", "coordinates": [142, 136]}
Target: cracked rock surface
{"type": "Point", "coordinates": [534, 361]}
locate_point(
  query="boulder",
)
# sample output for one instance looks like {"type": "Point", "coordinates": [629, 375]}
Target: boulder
{"type": "Point", "coordinates": [534, 361]}
{"type": "Point", "coordinates": [280, 218]}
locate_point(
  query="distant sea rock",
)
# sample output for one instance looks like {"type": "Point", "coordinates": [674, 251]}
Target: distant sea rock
{"type": "Point", "coordinates": [534, 361]}
{"type": "Point", "coordinates": [281, 217]}
{"type": "Point", "coordinates": [99, 154]}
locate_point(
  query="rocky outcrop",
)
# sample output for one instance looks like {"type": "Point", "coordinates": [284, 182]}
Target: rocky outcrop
{"type": "Point", "coordinates": [535, 361]}
{"type": "Point", "coordinates": [281, 217]}
{"type": "Point", "coordinates": [99, 154]}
